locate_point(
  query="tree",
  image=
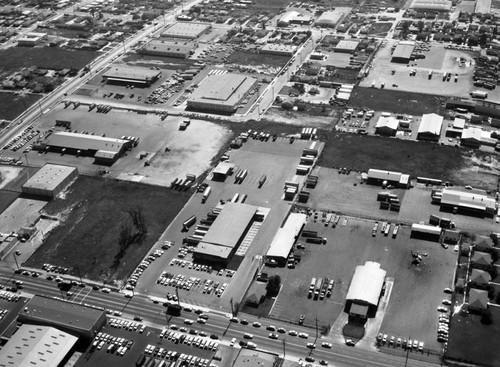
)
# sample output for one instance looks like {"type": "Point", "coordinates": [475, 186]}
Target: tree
{"type": "Point", "coordinates": [486, 318]}
{"type": "Point", "coordinates": [273, 286]}
{"type": "Point", "coordinates": [287, 105]}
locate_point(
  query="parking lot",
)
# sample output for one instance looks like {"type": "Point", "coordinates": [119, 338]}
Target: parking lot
{"type": "Point", "coordinates": [416, 293]}
{"type": "Point", "coordinates": [438, 59]}
{"type": "Point", "coordinates": [122, 342]}
{"type": "Point", "coordinates": [277, 160]}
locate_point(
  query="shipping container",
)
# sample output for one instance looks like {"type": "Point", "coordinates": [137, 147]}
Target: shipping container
{"type": "Point", "coordinates": [189, 222]}
{"type": "Point", "coordinates": [206, 194]}
{"type": "Point", "coordinates": [262, 180]}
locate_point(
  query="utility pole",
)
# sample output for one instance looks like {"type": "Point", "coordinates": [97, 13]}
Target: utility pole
{"type": "Point", "coordinates": [232, 306]}
{"type": "Point", "coordinates": [316, 327]}
{"type": "Point", "coordinates": [284, 348]}
{"type": "Point", "coordinates": [15, 259]}
{"type": "Point", "coordinates": [177, 295]}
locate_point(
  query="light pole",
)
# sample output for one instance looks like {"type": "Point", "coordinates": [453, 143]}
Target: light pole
{"type": "Point", "coordinates": [15, 259]}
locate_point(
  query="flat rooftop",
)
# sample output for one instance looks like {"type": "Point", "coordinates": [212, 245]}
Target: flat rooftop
{"type": "Point", "coordinates": [85, 142]}
{"type": "Point", "coordinates": [131, 73]}
{"type": "Point", "coordinates": [230, 224]}
{"type": "Point", "coordinates": [169, 46]}
{"type": "Point", "coordinates": [403, 50]}
{"type": "Point", "coordinates": [35, 345]}
{"type": "Point", "coordinates": [225, 89]}
{"type": "Point", "coordinates": [186, 30]}
{"type": "Point", "coordinates": [49, 177]}
{"type": "Point", "coordinates": [61, 313]}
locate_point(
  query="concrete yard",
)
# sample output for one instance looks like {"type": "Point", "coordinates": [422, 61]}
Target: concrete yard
{"type": "Point", "coordinates": [191, 150]}
{"type": "Point", "coordinates": [415, 291]}
{"type": "Point", "coordinates": [277, 160]}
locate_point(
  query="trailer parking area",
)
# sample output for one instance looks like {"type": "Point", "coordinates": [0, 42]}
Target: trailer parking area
{"type": "Point", "coordinates": [416, 291]}
{"type": "Point", "coordinates": [277, 160]}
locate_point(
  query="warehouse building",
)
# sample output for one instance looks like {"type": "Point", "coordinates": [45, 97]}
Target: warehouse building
{"type": "Point", "coordinates": [285, 238]}
{"type": "Point", "coordinates": [35, 345]}
{"type": "Point", "coordinates": [471, 202]}
{"type": "Point", "coordinates": [225, 234]}
{"type": "Point", "coordinates": [31, 39]}
{"type": "Point", "coordinates": [385, 178]}
{"type": "Point", "coordinates": [73, 318]}
{"type": "Point", "coordinates": [425, 231]}
{"type": "Point", "coordinates": [431, 5]}
{"type": "Point", "coordinates": [221, 93]}
{"type": "Point", "coordinates": [166, 48]}
{"type": "Point", "coordinates": [186, 30]}
{"type": "Point", "coordinates": [402, 52]}
{"type": "Point", "coordinates": [346, 46]}
{"type": "Point", "coordinates": [294, 17]}
{"type": "Point", "coordinates": [50, 180]}
{"type": "Point", "coordinates": [140, 77]}
{"type": "Point", "coordinates": [387, 126]}
{"type": "Point", "coordinates": [278, 49]}
{"type": "Point", "coordinates": [471, 137]}
{"type": "Point", "coordinates": [365, 290]}
{"type": "Point", "coordinates": [430, 127]}
{"type": "Point", "coordinates": [329, 19]}
{"type": "Point", "coordinates": [105, 150]}
{"type": "Point", "coordinates": [222, 170]}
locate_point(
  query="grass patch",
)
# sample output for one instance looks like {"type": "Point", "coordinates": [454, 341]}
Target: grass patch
{"type": "Point", "coordinates": [397, 101]}
{"type": "Point", "coordinates": [96, 212]}
{"type": "Point", "coordinates": [472, 342]}
{"type": "Point", "coordinates": [7, 198]}
{"type": "Point", "coordinates": [248, 57]}
{"type": "Point", "coordinates": [364, 152]}
{"type": "Point", "coordinates": [56, 58]}
{"type": "Point", "coordinates": [378, 28]}
{"type": "Point", "coordinates": [12, 104]}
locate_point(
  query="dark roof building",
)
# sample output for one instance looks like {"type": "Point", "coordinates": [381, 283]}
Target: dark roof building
{"type": "Point", "coordinates": [478, 300]}
{"type": "Point", "coordinates": [479, 278]}
{"type": "Point", "coordinates": [70, 317]}
{"type": "Point", "coordinates": [131, 75]}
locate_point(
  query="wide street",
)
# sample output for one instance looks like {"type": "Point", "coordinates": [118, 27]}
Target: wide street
{"type": "Point", "coordinates": [218, 323]}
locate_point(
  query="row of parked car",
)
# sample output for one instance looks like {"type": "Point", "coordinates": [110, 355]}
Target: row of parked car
{"type": "Point", "coordinates": [115, 344]}
{"type": "Point", "coordinates": [384, 339]}
{"type": "Point", "coordinates": [127, 325]}
{"type": "Point", "coordinates": [134, 278]}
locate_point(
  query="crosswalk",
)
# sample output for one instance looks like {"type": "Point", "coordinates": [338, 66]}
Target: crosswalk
{"type": "Point", "coordinates": [217, 72]}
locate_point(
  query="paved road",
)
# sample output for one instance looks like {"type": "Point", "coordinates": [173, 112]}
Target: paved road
{"type": "Point", "coordinates": [218, 323]}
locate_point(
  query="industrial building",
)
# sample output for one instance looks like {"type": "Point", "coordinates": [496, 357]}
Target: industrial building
{"type": "Point", "coordinates": [294, 17]}
{"type": "Point", "coordinates": [402, 52]}
{"type": "Point", "coordinates": [225, 234]}
{"type": "Point", "coordinates": [365, 290]}
{"type": "Point", "coordinates": [385, 178]}
{"type": "Point", "coordinates": [431, 5]}
{"type": "Point", "coordinates": [329, 19]}
{"type": "Point", "coordinates": [346, 46]}
{"type": "Point", "coordinates": [138, 76]}
{"type": "Point", "coordinates": [167, 48]}
{"type": "Point", "coordinates": [472, 202]}
{"type": "Point", "coordinates": [430, 127]}
{"type": "Point", "coordinates": [221, 93]}
{"type": "Point", "coordinates": [471, 137]}
{"type": "Point", "coordinates": [36, 345]}
{"type": "Point", "coordinates": [105, 150]}
{"type": "Point", "coordinates": [222, 170]}
{"type": "Point", "coordinates": [387, 126]}
{"type": "Point", "coordinates": [425, 231]}
{"type": "Point", "coordinates": [31, 39]}
{"type": "Point", "coordinates": [73, 318]}
{"type": "Point", "coordinates": [285, 238]}
{"type": "Point", "coordinates": [186, 30]}
{"type": "Point", "coordinates": [50, 180]}
{"type": "Point", "coordinates": [278, 49]}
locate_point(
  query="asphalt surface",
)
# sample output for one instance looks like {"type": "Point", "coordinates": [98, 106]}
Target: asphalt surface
{"type": "Point", "coordinates": [218, 323]}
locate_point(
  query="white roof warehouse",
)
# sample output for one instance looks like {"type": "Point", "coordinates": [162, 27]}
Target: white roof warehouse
{"type": "Point", "coordinates": [285, 237]}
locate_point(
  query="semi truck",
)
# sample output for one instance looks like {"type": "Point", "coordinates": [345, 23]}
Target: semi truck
{"type": "Point", "coordinates": [189, 222]}
{"type": "Point", "coordinates": [206, 194]}
{"type": "Point", "coordinates": [479, 94]}
{"type": "Point", "coordinates": [262, 181]}
{"type": "Point", "coordinates": [317, 288]}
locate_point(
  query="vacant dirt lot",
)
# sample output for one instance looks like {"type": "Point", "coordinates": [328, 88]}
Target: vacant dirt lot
{"type": "Point", "coordinates": [93, 213]}
{"type": "Point", "coordinates": [466, 167]}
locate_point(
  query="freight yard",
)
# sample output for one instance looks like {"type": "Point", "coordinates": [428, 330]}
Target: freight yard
{"type": "Point", "coordinates": [218, 184]}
